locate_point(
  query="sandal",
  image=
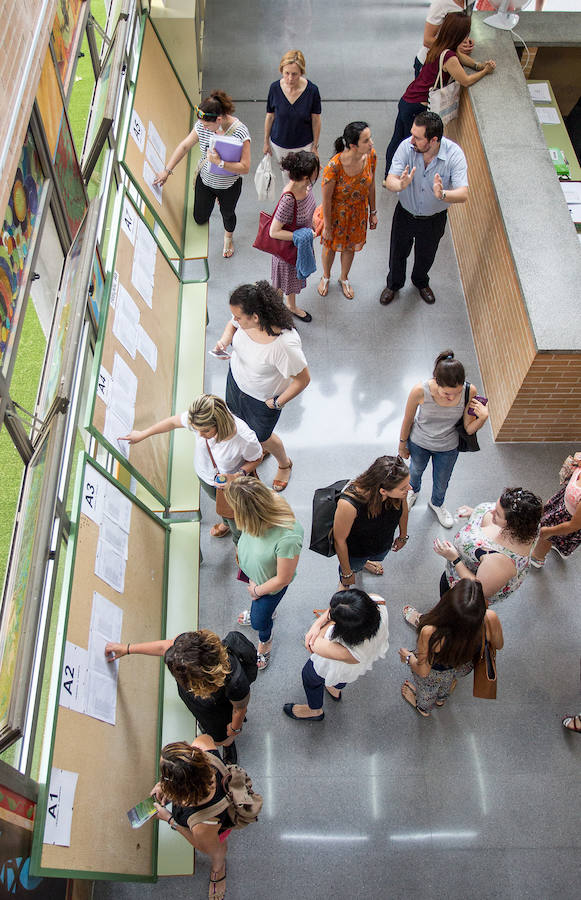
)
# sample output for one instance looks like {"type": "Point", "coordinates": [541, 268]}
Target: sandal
{"type": "Point", "coordinates": [228, 250]}
{"type": "Point", "coordinates": [411, 615]}
{"type": "Point", "coordinates": [576, 720]}
{"type": "Point", "coordinates": [219, 530]}
{"type": "Point", "coordinates": [277, 484]}
{"type": "Point", "coordinates": [348, 291]}
{"type": "Point", "coordinates": [323, 288]}
{"type": "Point", "coordinates": [215, 893]}
{"type": "Point", "coordinates": [374, 567]}
{"type": "Point", "coordinates": [263, 660]}
{"type": "Point", "coordinates": [408, 693]}
{"type": "Point", "coordinates": [244, 617]}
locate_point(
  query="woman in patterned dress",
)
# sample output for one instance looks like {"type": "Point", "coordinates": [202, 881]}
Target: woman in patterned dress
{"type": "Point", "coordinates": [495, 546]}
{"type": "Point", "coordinates": [348, 189]}
{"type": "Point", "coordinates": [561, 522]}
{"type": "Point", "coordinates": [303, 169]}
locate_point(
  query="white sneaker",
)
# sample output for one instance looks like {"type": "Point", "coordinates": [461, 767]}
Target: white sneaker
{"type": "Point", "coordinates": [412, 497]}
{"type": "Point", "coordinates": [444, 517]}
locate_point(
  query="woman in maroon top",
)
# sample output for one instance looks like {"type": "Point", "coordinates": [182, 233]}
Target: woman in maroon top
{"type": "Point", "coordinates": [454, 31]}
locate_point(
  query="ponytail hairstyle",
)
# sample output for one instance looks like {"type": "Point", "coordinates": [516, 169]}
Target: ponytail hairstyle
{"type": "Point", "coordinates": [448, 372]}
{"type": "Point", "coordinates": [218, 103]}
{"type": "Point", "coordinates": [301, 165]}
{"type": "Point", "coordinates": [350, 136]}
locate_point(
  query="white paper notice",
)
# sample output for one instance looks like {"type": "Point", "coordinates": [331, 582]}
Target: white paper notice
{"type": "Point", "coordinates": [126, 321]}
{"type": "Point", "coordinates": [102, 698]}
{"type": "Point", "coordinates": [153, 158]}
{"type": "Point", "coordinates": [106, 622]}
{"type": "Point", "coordinates": [94, 493]}
{"type": "Point", "coordinates": [124, 378]}
{"type": "Point", "coordinates": [142, 281]}
{"type": "Point", "coordinates": [111, 532]}
{"type": "Point", "coordinates": [540, 92]}
{"type": "Point", "coordinates": [118, 508]}
{"type": "Point", "coordinates": [147, 348]}
{"type": "Point", "coordinates": [148, 176]}
{"type": "Point", "coordinates": [60, 803]}
{"type": "Point", "coordinates": [574, 209]}
{"type": "Point", "coordinates": [571, 190]}
{"type": "Point", "coordinates": [114, 290]}
{"type": "Point", "coordinates": [137, 131]}
{"type": "Point", "coordinates": [113, 429]}
{"type": "Point", "coordinates": [547, 115]}
{"type": "Point", "coordinates": [153, 136]}
{"type": "Point", "coordinates": [104, 385]}
{"type": "Point", "coordinates": [74, 678]}
{"type": "Point", "coordinates": [129, 220]}
{"type": "Point", "coordinates": [110, 566]}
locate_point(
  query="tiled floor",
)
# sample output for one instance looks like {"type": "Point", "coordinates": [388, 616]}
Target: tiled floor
{"type": "Point", "coordinates": [481, 799]}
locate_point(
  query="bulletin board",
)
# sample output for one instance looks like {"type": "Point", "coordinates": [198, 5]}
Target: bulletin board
{"type": "Point", "coordinates": [116, 764]}
{"type": "Point", "coordinates": [110, 414]}
{"type": "Point", "coordinates": [160, 117]}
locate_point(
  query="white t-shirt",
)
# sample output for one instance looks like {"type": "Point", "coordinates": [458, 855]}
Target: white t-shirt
{"type": "Point", "coordinates": [437, 12]}
{"type": "Point", "coordinates": [229, 455]}
{"type": "Point", "coordinates": [264, 370]}
{"type": "Point", "coordinates": [219, 182]}
{"type": "Point", "coordinates": [334, 671]}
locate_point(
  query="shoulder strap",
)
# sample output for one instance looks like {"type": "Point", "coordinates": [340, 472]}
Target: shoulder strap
{"type": "Point", "coordinates": [210, 454]}
{"type": "Point", "coordinates": [467, 387]}
{"type": "Point", "coordinates": [216, 763]}
{"type": "Point", "coordinates": [232, 127]}
{"type": "Point", "coordinates": [294, 221]}
{"type": "Point", "coordinates": [208, 812]}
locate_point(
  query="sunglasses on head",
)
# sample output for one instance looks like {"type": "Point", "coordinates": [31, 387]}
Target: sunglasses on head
{"type": "Point", "coordinates": [208, 117]}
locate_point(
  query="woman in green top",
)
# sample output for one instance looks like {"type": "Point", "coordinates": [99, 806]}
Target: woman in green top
{"type": "Point", "coordinates": [268, 553]}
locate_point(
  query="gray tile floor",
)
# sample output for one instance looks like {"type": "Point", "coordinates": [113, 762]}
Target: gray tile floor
{"type": "Point", "coordinates": [480, 799]}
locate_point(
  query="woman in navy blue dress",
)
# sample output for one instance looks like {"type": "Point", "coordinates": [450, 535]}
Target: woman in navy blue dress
{"type": "Point", "coordinates": [293, 111]}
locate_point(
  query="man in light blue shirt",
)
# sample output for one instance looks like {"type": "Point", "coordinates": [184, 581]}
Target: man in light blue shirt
{"type": "Point", "coordinates": [428, 172]}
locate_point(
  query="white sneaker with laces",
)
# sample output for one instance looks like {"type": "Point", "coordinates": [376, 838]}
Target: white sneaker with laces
{"type": "Point", "coordinates": [444, 517]}
{"type": "Point", "coordinates": [412, 497]}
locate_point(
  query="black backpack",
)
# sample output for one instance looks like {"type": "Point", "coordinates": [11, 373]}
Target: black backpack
{"type": "Point", "coordinates": [324, 507]}
{"type": "Point", "coordinates": [244, 651]}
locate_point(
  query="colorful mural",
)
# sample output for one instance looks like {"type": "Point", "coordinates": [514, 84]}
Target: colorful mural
{"type": "Point", "coordinates": [69, 178]}
{"type": "Point", "coordinates": [16, 823]}
{"type": "Point", "coordinates": [64, 33]}
{"type": "Point", "coordinates": [17, 235]}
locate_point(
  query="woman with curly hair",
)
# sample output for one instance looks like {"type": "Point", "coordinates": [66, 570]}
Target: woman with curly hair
{"type": "Point", "coordinates": [268, 553]}
{"type": "Point", "coordinates": [495, 546]}
{"type": "Point", "coordinates": [369, 510]}
{"type": "Point", "coordinates": [268, 368]}
{"type": "Point", "coordinates": [449, 637]}
{"type": "Point", "coordinates": [210, 678]}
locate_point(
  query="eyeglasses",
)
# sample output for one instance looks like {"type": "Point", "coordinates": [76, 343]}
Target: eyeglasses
{"type": "Point", "coordinates": [208, 117]}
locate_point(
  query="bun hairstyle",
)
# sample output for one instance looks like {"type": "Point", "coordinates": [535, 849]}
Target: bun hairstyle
{"type": "Point", "coordinates": [448, 372]}
{"type": "Point", "coordinates": [218, 103]}
{"type": "Point", "coordinates": [351, 135]}
{"type": "Point", "coordinates": [293, 56]}
{"type": "Point", "coordinates": [300, 165]}
{"type": "Point", "coordinates": [523, 511]}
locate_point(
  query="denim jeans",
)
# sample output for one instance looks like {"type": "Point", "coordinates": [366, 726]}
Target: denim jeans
{"type": "Point", "coordinates": [314, 686]}
{"type": "Point", "coordinates": [357, 563]}
{"type": "Point", "coordinates": [443, 462]}
{"type": "Point", "coordinates": [261, 614]}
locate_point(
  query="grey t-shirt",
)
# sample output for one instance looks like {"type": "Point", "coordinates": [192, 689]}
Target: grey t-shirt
{"type": "Point", "coordinates": [433, 427]}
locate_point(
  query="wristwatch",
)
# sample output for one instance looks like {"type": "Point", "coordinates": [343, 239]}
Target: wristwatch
{"type": "Point", "coordinates": [275, 403]}
{"type": "Point", "coordinates": [221, 164]}
{"type": "Point", "coordinates": [443, 195]}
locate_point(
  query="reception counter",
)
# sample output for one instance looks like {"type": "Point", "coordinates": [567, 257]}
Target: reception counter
{"type": "Point", "coordinates": [518, 251]}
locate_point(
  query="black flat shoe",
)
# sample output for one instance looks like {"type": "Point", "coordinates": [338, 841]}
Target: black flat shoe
{"type": "Point", "coordinates": [306, 318]}
{"type": "Point", "coordinates": [230, 754]}
{"type": "Point", "coordinates": [288, 710]}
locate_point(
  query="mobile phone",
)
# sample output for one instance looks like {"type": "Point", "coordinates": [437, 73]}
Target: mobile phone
{"type": "Point", "coordinates": [219, 354]}
{"type": "Point", "coordinates": [141, 813]}
{"type": "Point", "coordinates": [242, 576]}
{"type": "Point", "coordinates": [483, 400]}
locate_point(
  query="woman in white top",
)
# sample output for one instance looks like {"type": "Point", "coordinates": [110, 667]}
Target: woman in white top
{"type": "Point", "coordinates": [214, 118]}
{"type": "Point", "coordinates": [233, 445]}
{"type": "Point", "coordinates": [267, 367]}
{"type": "Point", "coordinates": [344, 642]}
{"type": "Point", "coordinates": [437, 12]}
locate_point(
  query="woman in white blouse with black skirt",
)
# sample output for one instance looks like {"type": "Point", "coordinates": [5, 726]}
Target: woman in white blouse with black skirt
{"type": "Point", "coordinates": [268, 368]}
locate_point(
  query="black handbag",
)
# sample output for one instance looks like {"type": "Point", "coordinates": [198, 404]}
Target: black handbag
{"type": "Point", "coordinates": [467, 443]}
{"type": "Point", "coordinates": [324, 507]}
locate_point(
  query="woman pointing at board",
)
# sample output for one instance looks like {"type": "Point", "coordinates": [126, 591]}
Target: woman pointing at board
{"type": "Point", "coordinates": [217, 179]}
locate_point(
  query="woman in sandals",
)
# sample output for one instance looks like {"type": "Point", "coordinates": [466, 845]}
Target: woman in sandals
{"type": "Point", "coordinates": [449, 637]}
{"type": "Point", "coordinates": [268, 368]}
{"type": "Point", "coordinates": [348, 189]}
{"type": "Point", "coordinates": [214, 118]}
{"type": "Point", "coordinates": [561, 522]}
{"type": "Point", "coordinates": [344, 643]}
{"type": "Point", "coordinates": [268, 553]}
{"type": "Point", "coordinates": [369, 510]}
{"type": "Point", "coordinates": [191, 783]}
{"type": "Point", "coordinates": [428, 430]}
{"type": "Point", "coordinates": [226, 446]}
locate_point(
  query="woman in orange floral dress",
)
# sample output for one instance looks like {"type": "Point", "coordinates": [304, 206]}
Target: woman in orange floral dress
{"type": "Point", "coordinates": [348, 188]}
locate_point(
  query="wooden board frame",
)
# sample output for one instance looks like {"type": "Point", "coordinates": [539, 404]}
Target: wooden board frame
{"type": "Point", "coordinates": [133, 680]}
{"type": "Point", "coordinates": [107, 344]}
{"type": "Point", "coordinates": [179, 182]}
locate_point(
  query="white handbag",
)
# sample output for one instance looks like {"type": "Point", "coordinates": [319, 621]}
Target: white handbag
{"type": "Point", "coordinates": [264, 179]}
{"type": "Point", "coordinates": [444, 100]}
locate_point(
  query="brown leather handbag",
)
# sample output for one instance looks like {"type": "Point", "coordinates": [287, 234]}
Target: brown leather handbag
{"type": "Point", "coordinates": [223, 508]}
{"type": "Point", "coordinates": [485, 677]}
